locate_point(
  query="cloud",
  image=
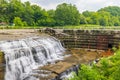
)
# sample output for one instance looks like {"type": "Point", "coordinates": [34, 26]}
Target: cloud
{"type": "Point", "coordinates": [82, 5]}
{"type": "Point", "coordinates": [94, 5]}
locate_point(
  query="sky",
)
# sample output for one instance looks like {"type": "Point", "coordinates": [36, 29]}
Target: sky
{"type": "Point", "coordinates": [82, 5]}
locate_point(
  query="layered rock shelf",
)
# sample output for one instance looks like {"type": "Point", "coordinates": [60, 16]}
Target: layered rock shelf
{"type": "Point", "coordinates": [90, 39]}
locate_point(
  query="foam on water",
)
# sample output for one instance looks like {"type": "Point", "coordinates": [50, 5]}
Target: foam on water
{"type": "Point", "coordinates": [24, 55]}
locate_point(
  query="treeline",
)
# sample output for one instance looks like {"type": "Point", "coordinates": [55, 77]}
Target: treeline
{"type": "Point", "coordinates": [25, 14]}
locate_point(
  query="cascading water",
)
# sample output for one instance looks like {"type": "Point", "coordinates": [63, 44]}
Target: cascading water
{"type": "Point", "coordinates": [67, 74]}
{"type": "Point", "coordinates": [24, 55]}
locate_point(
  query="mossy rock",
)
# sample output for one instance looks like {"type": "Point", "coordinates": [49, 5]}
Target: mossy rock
{"type": "Point", "coordinates": [1, 57]}
{"type": "Point", "coordinates": [2, 69]}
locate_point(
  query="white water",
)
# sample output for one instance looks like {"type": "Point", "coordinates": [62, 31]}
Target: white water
{"type": "Point", "coordinates": [22, 56]}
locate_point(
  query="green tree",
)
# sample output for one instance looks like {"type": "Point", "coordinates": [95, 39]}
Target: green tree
{"type": "Point", "coordinates": [37, 13]}
{"type": "Point", "coordinates": [15, 9]}
{"type": "Point", "coordinates": [67, 14]}
{"type": "Point", "coordinates": [115, 21]}
{"type": "Point", "coordinates": [83, 19]}
{"type": "Point", "coordinates": [51, 17]}
{"type": "Point", "coordinates": [18, 21]}
{"type": "Point", "coordinates": [3, 11]}
{"type": "Point", "coordinates": [91, 17]}
{"type": "Point", "coordinates": [103, 21]}
{"type": "Point", "coordinates": [104, 18]}
{"type": "Point", "coordinates": [88, 13]}
{"type": "Point", "coordinates": [28, 14]}
{"type": "Point", "coordinates": [87, 73]}
{"type": "Point", "coordinates": [95, 18]}
{"type": "Point", "coordinates": [113, 10]}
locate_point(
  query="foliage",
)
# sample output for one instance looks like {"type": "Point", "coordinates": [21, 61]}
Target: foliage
{"type": "Point", "coordinates": [65, 14]}
{"type": "Point", "coordinates": [83, 19]}
{"type": "Point", "coordinates": [87, 73]}
{"type": "Point", "coordinates": [106, 69]}
{"type": "Point", "coordinates": [113, 10]}
{"type": "Point", "coordinates": [18, 21]}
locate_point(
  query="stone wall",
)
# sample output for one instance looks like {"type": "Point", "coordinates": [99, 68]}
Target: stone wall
{"type": "Point", "coordinates": [91, 39]}
{"type": "Point", "coordinates": [87, 39]}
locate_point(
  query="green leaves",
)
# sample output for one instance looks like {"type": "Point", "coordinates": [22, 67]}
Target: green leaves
{"type": "Point", "coordinates": [113, 10]}
{"type": "Point", "coordinates": [67, 14]}
{"type": "Point", "coordinates": [18, 21]}
{"type": "Point", "coordinates": [106, 69]}
{"type": "Point", "coordinates": [87, 73]}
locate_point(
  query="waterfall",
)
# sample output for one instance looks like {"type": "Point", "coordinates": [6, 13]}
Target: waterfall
{"type": "Point", "coordinates": [24, 55]}
{"type": "Point", "coordinates": [67, 74]}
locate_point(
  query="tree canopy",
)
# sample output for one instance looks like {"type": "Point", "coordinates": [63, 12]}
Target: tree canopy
{"type": "Point", "coordinates": [113, 10]}
{"type": "Point", "coordinates": [65, 14]}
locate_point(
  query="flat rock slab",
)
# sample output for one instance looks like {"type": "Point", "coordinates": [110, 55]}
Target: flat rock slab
{"type": "Point", "coordinates": [78, 57]}
{"type": "Point", "coordinates": [13, 34]}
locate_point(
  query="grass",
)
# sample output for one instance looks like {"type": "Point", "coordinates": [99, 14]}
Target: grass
{"type": "Point", "coordinates": [21, 27]}
{"type": "Point", "coordinates": [90, 27]}
{"type": "Point", "coordinates": [87, 26]}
